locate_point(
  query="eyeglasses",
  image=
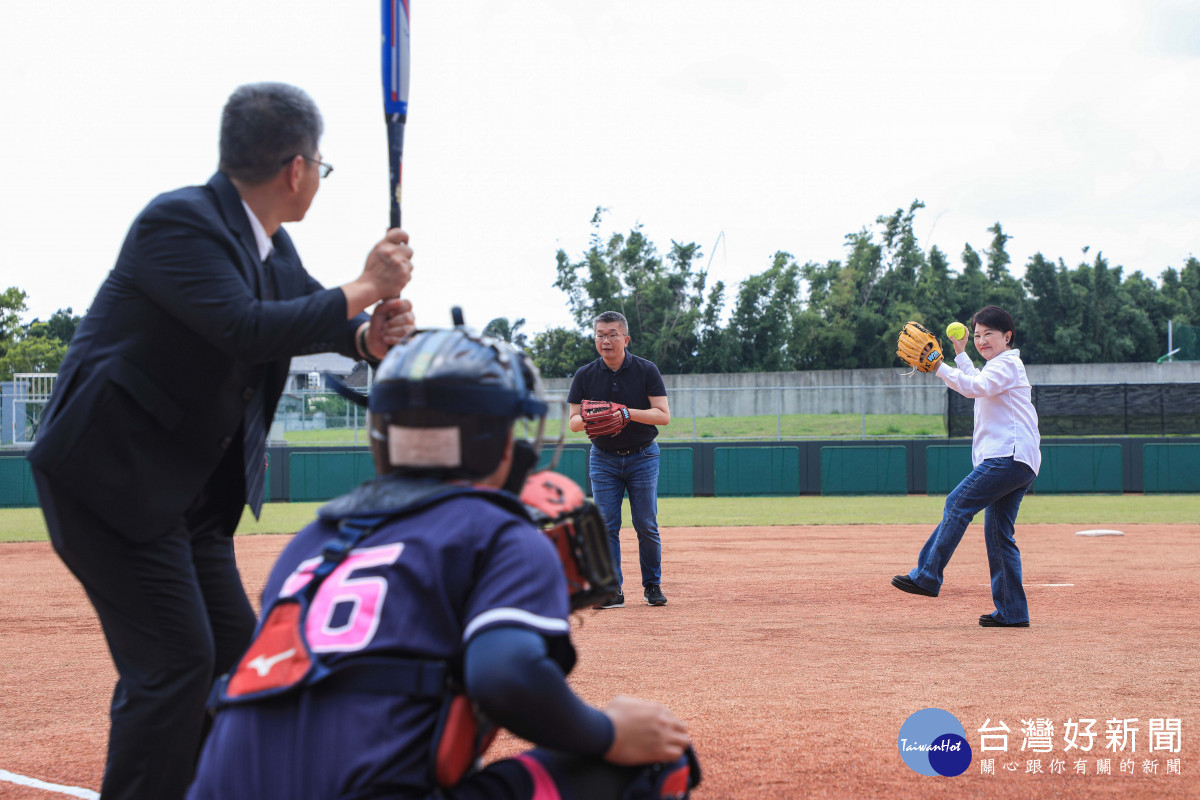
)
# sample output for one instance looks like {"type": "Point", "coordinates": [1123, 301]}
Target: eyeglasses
{"type": "Point", "coordinates": [608, 337]}
{"type": "Point", "coordinates": [325, 168]}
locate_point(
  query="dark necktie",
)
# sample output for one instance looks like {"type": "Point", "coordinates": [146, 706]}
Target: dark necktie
{"type": "Point", "coordinates": [254, 437]}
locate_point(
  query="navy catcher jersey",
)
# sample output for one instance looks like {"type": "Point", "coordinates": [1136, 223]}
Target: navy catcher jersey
{"type": "Point", "coordinates": [418, 587]}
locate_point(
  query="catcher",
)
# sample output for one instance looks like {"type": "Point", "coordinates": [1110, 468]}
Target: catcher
{"type": "Point", "coordinates": [424, 608]}
{"type": "Point", "coordinates": [618, 399]}
{"type": "Point", "coordinates": [1005, 451]}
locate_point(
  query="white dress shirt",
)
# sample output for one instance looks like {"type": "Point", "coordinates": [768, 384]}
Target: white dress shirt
{"type": "Point", "coordinates": [261, 240]}
{"type": "Point", "coordinates": [1006, 423]}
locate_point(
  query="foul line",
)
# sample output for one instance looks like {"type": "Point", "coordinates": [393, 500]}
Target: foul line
{"type": "Point", "coordinates": [73, 791]}
{"type": "Point", "coordinates": [1037, 584]}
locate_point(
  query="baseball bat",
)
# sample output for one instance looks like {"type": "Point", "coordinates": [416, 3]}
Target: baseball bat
{"type": "Point", "coordinates": [395, 92]}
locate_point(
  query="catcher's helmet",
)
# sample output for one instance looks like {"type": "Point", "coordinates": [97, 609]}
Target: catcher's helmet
{"type": "Point", "coordinates": [444, 401]}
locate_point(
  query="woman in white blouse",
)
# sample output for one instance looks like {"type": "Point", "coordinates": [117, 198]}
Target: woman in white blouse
{"type": "Point", "coordinates": [1005, 450]}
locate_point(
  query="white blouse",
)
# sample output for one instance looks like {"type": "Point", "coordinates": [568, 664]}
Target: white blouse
{"type": "Point", "coordinates": [1006, 423]}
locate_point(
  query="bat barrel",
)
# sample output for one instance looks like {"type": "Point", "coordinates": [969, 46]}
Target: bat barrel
{"type": "Point", "coordinates": [395, 132]}
{"type": "Point", "coordinates": [395, 63]}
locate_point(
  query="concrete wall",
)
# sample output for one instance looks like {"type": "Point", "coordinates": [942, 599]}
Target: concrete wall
{"type": "Point", "coordinates": [869, 391]}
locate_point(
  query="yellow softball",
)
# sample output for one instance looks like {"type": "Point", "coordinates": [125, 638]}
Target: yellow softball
{"type": "Point", "coordinates": [956, 330]}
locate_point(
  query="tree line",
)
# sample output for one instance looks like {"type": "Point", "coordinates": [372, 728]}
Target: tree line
{"type": "Point", "coordinates": [843, 314]}
{"type": "Point", "coordinates": [846, 314]}
{"type": "Point", "coordinates": [35, 346]}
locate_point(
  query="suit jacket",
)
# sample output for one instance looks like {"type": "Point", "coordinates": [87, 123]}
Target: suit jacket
{"type": "Point", "coordinates": [149, 402]}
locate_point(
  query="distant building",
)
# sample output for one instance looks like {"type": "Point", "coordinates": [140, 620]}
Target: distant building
{"type": "Point", "coordinates": [305, 371]}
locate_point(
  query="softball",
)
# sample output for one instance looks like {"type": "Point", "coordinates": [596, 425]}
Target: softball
{"type": "Point", "coordinates": [956, 330]}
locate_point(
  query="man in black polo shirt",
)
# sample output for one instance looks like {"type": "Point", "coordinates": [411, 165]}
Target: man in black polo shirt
{"type": "Point", "coordinates": [625, 461]}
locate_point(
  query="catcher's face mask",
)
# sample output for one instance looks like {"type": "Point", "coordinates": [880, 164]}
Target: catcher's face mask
{"type": "Point", "coordinates": [574, 526]}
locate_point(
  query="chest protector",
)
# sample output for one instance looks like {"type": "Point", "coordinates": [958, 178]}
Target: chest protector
{"type": "Point", "coordinates": [280, 661]}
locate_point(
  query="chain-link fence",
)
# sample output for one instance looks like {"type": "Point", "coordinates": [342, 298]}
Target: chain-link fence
{"type": "Point", "coordinates": [1116, 409]}
{"type": "Point", "coordinates": [758, 413]}
{"type": "Point", "coordinates": [913, 409]}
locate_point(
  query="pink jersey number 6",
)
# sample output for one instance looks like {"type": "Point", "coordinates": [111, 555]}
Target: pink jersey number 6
{"type": "Point", "coordinates": [365, 594]}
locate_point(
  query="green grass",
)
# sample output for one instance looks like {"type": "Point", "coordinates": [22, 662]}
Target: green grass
{"type": "Point", "coordinates": [804, 426]}
{"type": "Point", "coordinates": [329, 436]}
{"type": "Point", "coordinates": [763, 428]}
{"type": "Point", "coordinates": [25, 524]}
{"type": "Point", "coordinates": [789, 426]}
{"type": "Point", "coordinates": [22, 525]}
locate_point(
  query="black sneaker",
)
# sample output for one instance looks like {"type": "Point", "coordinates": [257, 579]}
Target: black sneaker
{"type": "Point", "coordinates": [615, 602]}
{"type": "Point", "coordinates": [654, 595]}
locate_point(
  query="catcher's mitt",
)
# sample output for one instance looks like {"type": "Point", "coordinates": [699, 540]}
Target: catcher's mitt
{"type": "Point", "coordinates": [604, 418]}
{"type": "Point", "coordinates": [558, 507]}
{"type": "Point", "coordinates": [919, 348]}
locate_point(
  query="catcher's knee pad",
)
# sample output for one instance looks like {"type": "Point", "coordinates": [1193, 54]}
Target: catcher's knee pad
{"type": "Point", "coordinates": [558, 776]}
{"type": "Point", "coordinates": [672, 780]}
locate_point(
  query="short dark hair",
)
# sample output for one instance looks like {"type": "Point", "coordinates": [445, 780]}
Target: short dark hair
{"type": "Point", "coordinates": [612, 316]}
{"type": "Point", "coordinates": [996, 318]}
{"type": "Point", "coordinates": [264, 124]}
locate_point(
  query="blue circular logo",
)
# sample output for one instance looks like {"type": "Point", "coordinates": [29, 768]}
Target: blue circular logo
{"type": "Point", "coordinates": [934, 742]}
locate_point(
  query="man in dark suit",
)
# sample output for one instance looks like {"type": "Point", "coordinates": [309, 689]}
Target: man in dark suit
{"type": "Point", "coordinates": [154, 438]}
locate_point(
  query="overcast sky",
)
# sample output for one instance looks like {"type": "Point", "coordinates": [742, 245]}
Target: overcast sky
{"type": "Point", "coordinates": [783, 126]}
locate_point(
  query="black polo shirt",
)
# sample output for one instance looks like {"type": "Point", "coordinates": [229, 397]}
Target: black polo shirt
{"type": "Point", "coordinates": [632, 385]}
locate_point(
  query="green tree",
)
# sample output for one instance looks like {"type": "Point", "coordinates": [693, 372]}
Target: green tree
{"type": "Point", "coordinates": [763, 323]}
{"type": "Point", "coordinates": [12, 305]}
{"type": "Point", "coordinates": [902, 259]}
{"type": "Point", "coordinates": [661, 298]}
{"type": "Point", "coordinates": [1043, 311]}
{"type": "Point", "coordinates": [558, 352]}
{"type": "Point", "coordinates": [1006, 290]}
{"type": "Point", "coordinates": [1189, 279]}
{"type": "Point", "coordinates": [971, 287]}
{"type": "Point", "coordinates": [716, 351]}
{"type": "Point", "coordinates": [62, 325]}
{"type": "Point", "coordinates": [843, 326]}
{"type": "Point", "coordinates": [1181, 290]}
{"type": "Point", "coordinates": [936, 296]}
{"type": "Point", "coordinates": [32, 354]}
{"type": "Point", "coordinates": [35, 347]}
{"type": "Point", "coordinates": [500, 328]}
{"type": "Point", "coordinates": [335, 407]}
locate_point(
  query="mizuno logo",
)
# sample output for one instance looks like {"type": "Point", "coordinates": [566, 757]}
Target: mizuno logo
{"type": "Point", "coordinates": [262, 665]}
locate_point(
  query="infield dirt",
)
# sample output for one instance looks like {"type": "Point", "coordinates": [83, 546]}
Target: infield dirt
{"type": "Point", "coordinates": [788, 652]}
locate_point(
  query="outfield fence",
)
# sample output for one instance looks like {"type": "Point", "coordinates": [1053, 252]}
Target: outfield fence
{"type": "Point", "coordinates": [743, 413]}
{"type": "Point", "coordinates": [920, 408]}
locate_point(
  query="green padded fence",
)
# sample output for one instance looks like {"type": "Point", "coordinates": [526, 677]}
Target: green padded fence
{"type": "Point", "coordinates": [674, 469]}
{"type": "Point", "coordinates": [675, 472]}
{"type": "Point", "coordinates": [1171, 468]}
{"type": "Point", "coordinates": [945, 467]}
{"type": "Point", "coordinates": [267, 481]}
{"type": "Point", "coordinates": [864, 470]}
{"type": "Point", "coordinates": [573, 464]}
{"type": "Point", "coordinates": [1080, 469]}
{"type": "Point", "coordinates": [323, 476]}
{"type": "Point", "coordinates": [756, 471]}
{"type": "Point", "coordinates": [16, 483]}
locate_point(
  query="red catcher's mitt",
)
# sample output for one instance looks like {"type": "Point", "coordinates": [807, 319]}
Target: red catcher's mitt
{"type": "Point", "coordinates": [604, 418]}
{"type": "Point", "coordinates": [919, 348]}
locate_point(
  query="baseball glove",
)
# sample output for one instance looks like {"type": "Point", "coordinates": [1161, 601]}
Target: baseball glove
{"type": "Point", "coordinates": [919, 348]}
{"type": "Point", "coordinates": [604, 418]}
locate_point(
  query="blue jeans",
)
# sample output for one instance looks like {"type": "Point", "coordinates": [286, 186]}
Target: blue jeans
{"type": "Point", "coordinates": [611, 476]}
{"type": "Point", "coordinates": [997, 485]}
